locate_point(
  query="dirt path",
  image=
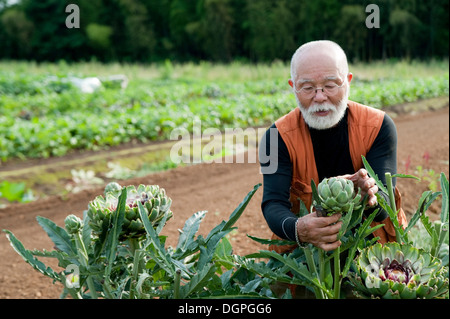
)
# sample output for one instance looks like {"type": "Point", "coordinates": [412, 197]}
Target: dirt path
{"type": "Point", "coordinates": [217, 188]}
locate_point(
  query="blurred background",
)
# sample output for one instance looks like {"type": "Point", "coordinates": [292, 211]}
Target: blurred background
{"type": "Point", "coordinates": [81, 107]}
{"type": "Point", "coordinates": [136, 69]}
{"type": "Point", "coordinates": [219, 30]}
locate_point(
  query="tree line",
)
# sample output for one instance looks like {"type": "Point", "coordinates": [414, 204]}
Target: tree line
{"type": "Point", "coordinates": [220, 30]}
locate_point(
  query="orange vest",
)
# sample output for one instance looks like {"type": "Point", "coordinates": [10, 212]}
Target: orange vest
{"type": "Point", "coordinates": [364, 123]}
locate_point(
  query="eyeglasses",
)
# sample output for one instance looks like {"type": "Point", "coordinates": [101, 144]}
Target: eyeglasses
{"type": "Point", "coordinates": [309, 91]}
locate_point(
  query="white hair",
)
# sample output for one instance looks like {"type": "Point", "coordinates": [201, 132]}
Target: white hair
{"type": "Point", "coordinates": [323, 45]}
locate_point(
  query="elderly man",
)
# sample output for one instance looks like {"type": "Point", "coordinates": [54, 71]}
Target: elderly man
{"type": "Point", "coordinates": [324, 136]}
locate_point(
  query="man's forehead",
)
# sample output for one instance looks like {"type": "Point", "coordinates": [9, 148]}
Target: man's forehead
{"type": "Point", "coordinates": [319, 60]}
{"type": "Point", "coordinates": [322, 78]}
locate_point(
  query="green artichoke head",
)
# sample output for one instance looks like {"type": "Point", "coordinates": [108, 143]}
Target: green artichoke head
{"type": "Point", "coordinates": [394, 271]}
{"type": "Point", "coordinates": [114, 188]}
{"type": "Point", "coordinates": [153, 199]}
{"type": "Point", "coordinates": [73, 224]}
{"type": "Point", "coordinates": [336, 195]}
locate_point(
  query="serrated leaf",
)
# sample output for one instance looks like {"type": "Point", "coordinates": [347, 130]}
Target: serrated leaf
{"type": "Point", "coordinates": [58, 235]}
{"type": "Point", "coordinates": [445, 198]}
{"type": "Point", "coordinates": [208, 247]}
{"type": "Point", "coordinates": [293, 265]}
{"type": "Point", "coordinates": [198, 281]}
{"type": "Point", "coordinates": [315, 194]}
{"type": "Point", "coordinates": [425, 202]}
{"type": "Point", "coordinates": [158, 253]}
{"type": "Point", "coordinates": [190, 228]}
{"type": "Point", "coordinates": [374, 175]}
{"type": "Point", "coordinates": [29, 258]}
{"type": "Point", "coordinates": [224, 249]}
{"type": "Point", "coordinates": [112, 240]}
{"type": "Point", "coordinates": [87, 230]}
{"type": "Point", "coordinates": [429, 227]}
{"type": "Point", "coordinates": [345, 222]}
{"type": "Point", "coordinates": [278, 242]}
{"type": "Point", "coordinates": [207, 252]}
{"type": "Point", "coordinates": [240, 209]}
{"type": "Point", "coordinates": [406, 176]}
{"type": "Point", "coordinates": [267, 272]}
{"type": "Point", "coordinates": [361, 233]}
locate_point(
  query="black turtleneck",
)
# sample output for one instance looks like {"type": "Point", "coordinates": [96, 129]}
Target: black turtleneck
{"type": "Point", "coordinates": [332, 155]}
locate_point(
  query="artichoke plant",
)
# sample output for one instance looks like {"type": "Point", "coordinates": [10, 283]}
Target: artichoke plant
{"type": "Point", "coordinates": [394, 271]}
{"type": "Point", "coordinates": [153, 198]}
{"type": "Point", "coordinates": [73, 224]}
{"type": "Point", "coordinates": [335, 195]}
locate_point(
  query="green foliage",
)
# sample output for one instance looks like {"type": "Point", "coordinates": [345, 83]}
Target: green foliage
{"type": "Point", "coordinates": [12, 191]}
{"type": "Point", "coordinates": [427, 235]}
{"type": "Point", "coordinates": [45, 115]}
{"type": "Point", "coordinates": [99, 35]}
{"type": "Point", "coordinates": [220, 30]}
{"type": "Point", "coordinates": [107, 266]}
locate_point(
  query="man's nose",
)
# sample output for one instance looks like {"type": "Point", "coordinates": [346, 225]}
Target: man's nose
{"type": "Point", "coordinates": [320, 96]}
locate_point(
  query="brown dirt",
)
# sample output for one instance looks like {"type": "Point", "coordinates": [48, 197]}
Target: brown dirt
{"type": "Point", "coordinates": [217, 188]}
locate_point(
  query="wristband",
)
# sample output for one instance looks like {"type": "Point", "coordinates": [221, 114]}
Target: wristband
{"type": "Point", "coordinates": [299, 243]}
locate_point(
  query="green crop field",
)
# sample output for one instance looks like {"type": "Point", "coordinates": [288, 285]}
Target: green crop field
{"type": "Point", "coordinates": [42, 114]}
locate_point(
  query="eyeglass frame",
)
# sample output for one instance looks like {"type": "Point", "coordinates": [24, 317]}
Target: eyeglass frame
{"type": "Point", "coordinates": [320, 88]}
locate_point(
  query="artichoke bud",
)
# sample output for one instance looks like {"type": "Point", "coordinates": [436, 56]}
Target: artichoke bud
{"type": "Point", "coordinates": [101, 210]}
{"type": "Point", "coordinates": [131, 214]}
{"type": "Point", "coordinates": [113, 188]}
{"type": "Point", "coordinates": [73, 224]}
{"type": "Point", "coordinates": [337, 195]}
{"type": "Point", "coordinates": [153, 214]}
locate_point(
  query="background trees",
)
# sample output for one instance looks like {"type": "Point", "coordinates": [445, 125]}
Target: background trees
{"type": "Point", "coordinates": [219, 30]}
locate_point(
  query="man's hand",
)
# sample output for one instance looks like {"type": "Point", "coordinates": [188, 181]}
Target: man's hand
{"type": "Point", "coordinates": [367, 184]}
{"type": "Point", "coordinates": [322, 232]}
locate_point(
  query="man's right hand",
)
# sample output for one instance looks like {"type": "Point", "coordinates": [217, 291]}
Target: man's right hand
{"type": "Point", "coordinates": [322, 232]}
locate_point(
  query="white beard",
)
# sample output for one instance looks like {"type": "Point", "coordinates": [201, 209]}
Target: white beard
{"type": "Point", "coordinates": [336, 114]}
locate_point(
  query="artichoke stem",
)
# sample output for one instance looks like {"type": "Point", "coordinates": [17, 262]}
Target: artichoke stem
{"type": "Point", "coordinates": [337, 273]}
{"type": "Point", "coordinates": [83, 257]}
{"type": "Point", "coordinates": [392, 201]}
{"type": "Point", "coordinates": [312, 268]}
{"type": "Point", "coordinates": [176, 290]}
{"type": "Point", "coordinates": [134, 244]}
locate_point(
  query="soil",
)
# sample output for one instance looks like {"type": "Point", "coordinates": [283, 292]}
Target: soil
{"type": "Point", "coordinates": [423, 140]}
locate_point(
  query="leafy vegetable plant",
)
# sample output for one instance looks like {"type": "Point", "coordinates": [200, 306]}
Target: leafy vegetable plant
{"type": "Point", "coordinates": [117, 260]}
{"type": "Point", "coordinates": [400, 270]}
{"type": "Point", "coordinates": [311, 266]}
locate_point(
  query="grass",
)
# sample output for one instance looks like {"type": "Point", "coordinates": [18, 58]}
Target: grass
{"type": "Point", "coordinates": [235, 71]}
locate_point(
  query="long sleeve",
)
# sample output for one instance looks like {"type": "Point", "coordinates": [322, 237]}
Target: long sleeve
{"type": "Point", "coordinates": [332, 159]}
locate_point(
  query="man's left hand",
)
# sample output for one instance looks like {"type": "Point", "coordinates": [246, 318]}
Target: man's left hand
{"type": "Point", "coordinates": [367, 184]}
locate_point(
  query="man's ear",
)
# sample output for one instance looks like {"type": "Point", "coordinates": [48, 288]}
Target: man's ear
{"type": "Point", "coordinates": [349, 77]}
{"type": "Point", "coordinates": [291, 83]}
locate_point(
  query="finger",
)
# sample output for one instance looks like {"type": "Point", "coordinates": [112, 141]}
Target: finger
{"type": "Point", "coordinates": [372, 200]}
{"type": "Point", "coordinates": [328, 220]}
{"type": "Point", "coordinates": [369, 183]}
{"type": "Point", "coordinates": [330, 246]}
{"type": "Point", "coordinates": [329, 238]}
{"type": "Point", "coordinates": [330, 230]}
{"type": "Point", "coordinates": [371, 192]}
{"type": "Point", "coordinates": [362, 172]}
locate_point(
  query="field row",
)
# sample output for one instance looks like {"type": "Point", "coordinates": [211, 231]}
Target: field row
{"type": "Point", "coordinates": [42, 115]}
